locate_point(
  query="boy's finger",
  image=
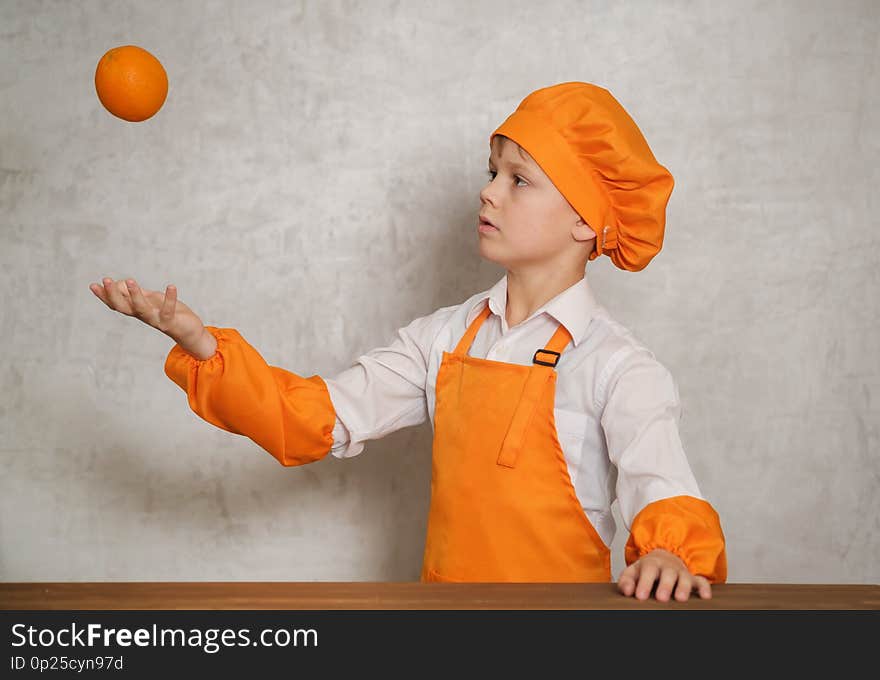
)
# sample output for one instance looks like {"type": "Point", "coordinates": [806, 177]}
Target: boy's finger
{"type": "Point", "coordinates": [685, 586]}
{"type": "Point", "coordinates": [99, 292]}
{"type": "Point", "coordinates": [701, 583]}
{"type": "Point", "coordinates": [166, 313]}
{"type": "Point", "coordinates": [117, 302]}
{"type": "Point", "coordinates": [647, 578]}
{"type": "Point", "coordinates": [138, 304]}
{"type": "Point", "coordinates": [627, 581]}
{"type": "Point", "coordinates": [668, 577]}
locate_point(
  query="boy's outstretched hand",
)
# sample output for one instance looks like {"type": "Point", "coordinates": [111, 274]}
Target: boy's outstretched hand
{"type": "Point", "coordinates": [162, 311]}
{"type": "Point", "coordinates": [672, 573]}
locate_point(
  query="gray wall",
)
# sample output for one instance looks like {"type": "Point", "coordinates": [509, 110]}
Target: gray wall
{"type": "Point", "coordinates": [312, 181]}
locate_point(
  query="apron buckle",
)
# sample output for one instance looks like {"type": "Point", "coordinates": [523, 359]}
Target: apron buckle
{"type": "Point", "coordinates": [536, 360]}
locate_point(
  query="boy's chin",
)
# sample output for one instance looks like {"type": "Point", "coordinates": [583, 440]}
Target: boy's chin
{"type": "Point", "coordinates": [489, 256]}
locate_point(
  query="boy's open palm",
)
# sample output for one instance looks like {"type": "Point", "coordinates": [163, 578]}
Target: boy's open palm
{"type": "Point", "coordinates": [162, 311]}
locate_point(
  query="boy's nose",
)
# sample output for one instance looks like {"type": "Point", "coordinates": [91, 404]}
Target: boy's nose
{"type": "Point", "coordinates": [485, 194]}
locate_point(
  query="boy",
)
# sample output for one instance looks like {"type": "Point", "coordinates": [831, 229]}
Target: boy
{"type": "Point", "coordinates": [543, 407]}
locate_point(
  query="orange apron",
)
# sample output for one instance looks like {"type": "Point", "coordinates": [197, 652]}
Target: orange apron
{"type": "Point", "coordinates": [503, 507]}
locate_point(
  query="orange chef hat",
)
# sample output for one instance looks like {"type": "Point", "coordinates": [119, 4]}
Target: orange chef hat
{"type": "Point", "coordinates": [598, 159]}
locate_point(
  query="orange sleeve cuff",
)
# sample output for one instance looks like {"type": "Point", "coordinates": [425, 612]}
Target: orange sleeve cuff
{"type": "Point", "coordinates": [289, 416]}
{"type": "Point", "coordinates": [686, 526]}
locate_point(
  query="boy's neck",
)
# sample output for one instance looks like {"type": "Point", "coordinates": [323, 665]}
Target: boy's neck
{"type": "Point", "coordinates": [528, 291]}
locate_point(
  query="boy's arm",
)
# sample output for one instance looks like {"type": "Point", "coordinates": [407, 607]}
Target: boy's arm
{"type": "Point", "coordinates": [299, 420]}
{"type": "Point", "coordinates": [289, 416]}
{"type": "Point", "coordinates": [383, 390]}
{"type": "Point", "coordinates": [659, 498]}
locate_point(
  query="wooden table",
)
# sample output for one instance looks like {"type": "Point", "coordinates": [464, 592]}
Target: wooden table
{"type": "Point", "coordinates": [414, 595]}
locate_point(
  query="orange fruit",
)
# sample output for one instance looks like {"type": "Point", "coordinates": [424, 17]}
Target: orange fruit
{"type": "Point", "coordinates": [131, 83]}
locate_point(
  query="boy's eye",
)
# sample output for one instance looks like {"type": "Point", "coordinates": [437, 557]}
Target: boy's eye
{"type": "Point", "coordinates": [492, 174]}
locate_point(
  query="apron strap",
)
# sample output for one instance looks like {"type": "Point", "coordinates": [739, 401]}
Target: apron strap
{"type": "Point", "coordinates": [549, 356]}
{"type": "Point", "coordinates": [468, 338]}
{"type": "Point", "coordinates": [533, 390]}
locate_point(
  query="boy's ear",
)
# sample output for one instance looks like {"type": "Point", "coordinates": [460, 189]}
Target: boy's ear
{"type": "Point", "coordinates": [582, 232]}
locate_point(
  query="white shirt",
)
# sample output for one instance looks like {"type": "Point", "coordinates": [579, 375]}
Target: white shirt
{"type": "Point", "coordinates": [617, 407]}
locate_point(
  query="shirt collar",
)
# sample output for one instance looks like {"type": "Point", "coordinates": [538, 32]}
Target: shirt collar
{"type": "Point", "coordinates": [574, 307]}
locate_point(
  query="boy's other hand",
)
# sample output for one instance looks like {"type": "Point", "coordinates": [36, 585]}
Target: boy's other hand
{"type": "Point", "coordinates": [669, 572]}
{"type": "Point", "coordinates": [162, 311]}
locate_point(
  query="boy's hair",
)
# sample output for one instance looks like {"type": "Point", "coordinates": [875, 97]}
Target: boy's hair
{"type": "Point", "coordinates": [504, 139]}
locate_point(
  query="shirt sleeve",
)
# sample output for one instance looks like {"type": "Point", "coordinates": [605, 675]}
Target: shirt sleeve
{"type": "Point", "coordinates": [289, 416]}
{"type": "Point", "coordinates": [658, 496]}
{"type": "Point", "coordinates": [384, 389]}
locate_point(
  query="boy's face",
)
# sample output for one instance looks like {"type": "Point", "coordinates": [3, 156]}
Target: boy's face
{"type": "Point", "coordinates": [536, 225]}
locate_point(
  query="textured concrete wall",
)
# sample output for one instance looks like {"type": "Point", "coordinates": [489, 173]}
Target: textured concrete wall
{"type": "Point", "coordinates": [312, 181]}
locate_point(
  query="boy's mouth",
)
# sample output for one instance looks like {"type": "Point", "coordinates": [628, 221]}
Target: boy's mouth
{"type": "Point", "coordinates": [483, 221]}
